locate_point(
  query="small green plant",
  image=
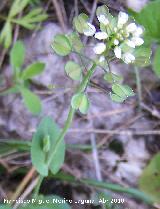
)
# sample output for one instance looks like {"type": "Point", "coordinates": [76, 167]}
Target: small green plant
{"type": "Point", "coordinates": [21, 77]}
{"type": "Point", "coordinates": [118, 38]}
{"type": "Point", "coordinates": [28, 21]}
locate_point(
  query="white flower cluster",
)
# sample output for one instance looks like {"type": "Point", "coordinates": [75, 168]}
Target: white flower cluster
{"type": "Point", "coordinates": [124, 36]}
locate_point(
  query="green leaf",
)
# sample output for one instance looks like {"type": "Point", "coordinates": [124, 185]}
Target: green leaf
{"type": "Point", "coordinates": [48, 202]}
{"type": "Point", "coordinates": [149, 181]}
{"type": "Point", "coordinates": [116, 98]}
{"type": "Point", "coordinates": [103, 10]}
{"type": "Point", "coordinates": [33, 70]}
{"type": "Point", "coordinates": [80, 22]}
{"type": "Point", "coordinates": [76, 42]}
{"type": "Point", "coordinates": [31, 101]}
{"type": "Point", "coordinates": [30, 20]}
{"type": "Point", "coordinates": [61, 45]}
{"type": "Point", "coordinates": [117, 89]}
{"type": "Point", "coordinates": [47, 129]}
{"type": "Point", "coordinates": [80, 101]}
{"type": "Point", "coordinates": [17, 7]}
{"type": "Point", "coordinates": [122, 91]}
{"type": "Point", "coordinates": [6, 35]}
{"type": "Point", "coordinates": [17, 55]}
{"type": "Point", "coordinates": [73, 70]}
{"type": "Point", "coordinates": [156, 62]}
{"type": "Point", "coordinates": [142, 55]}
{"type": "Point", "coordinates": [112, 78]}
{"type": "Point", "coordinates": [149, 17]}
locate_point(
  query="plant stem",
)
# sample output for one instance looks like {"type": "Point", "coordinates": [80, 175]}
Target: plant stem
{"type": "Point", "coordinates": [38, 186]}
{"type": "Point", "coordinates": [139, 87]}
{"type": "Point", "coordinates": [104, 185]}
{"type": "Point", "coordinates": [68, 122]}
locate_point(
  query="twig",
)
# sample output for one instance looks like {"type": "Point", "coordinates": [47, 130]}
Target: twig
{"type": "Point", "coordinates": [116, 132]}
{"type": "Point", "coordinates": [153, 112]}
{"type": "Point", "coordinates": [27, 191]}
{"type": "Point", "coordinates": [59, 14]}
{"type": "Point", "coordinates": [23, 184]}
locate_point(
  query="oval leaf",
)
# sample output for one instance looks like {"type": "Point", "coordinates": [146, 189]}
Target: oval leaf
{"type": "Point", "coordinates": [31, 101]}
{"type": "Point", "coordinates": [76, 42]}
{"type": "Point", "coordinates": [80, 22]}
{"type": "Point", "coordinates": [32, 70]}
{"type": "Point", "coordinates": [17, 54]}
{"type": "Point", "coordinates": [73, 70]}
{"type": "Point", "coordinates": [47, 129]}
{"type": "Point", "coordinates": [112, 78]}
{"type": "Point", "coordinates": [61, 45]}
{"type": "Point", "coordinates": [142, 56]}
{"type": "Point", "coordinates": [116, 98]}
{"type": "Point", "coordinates": [80, 101]}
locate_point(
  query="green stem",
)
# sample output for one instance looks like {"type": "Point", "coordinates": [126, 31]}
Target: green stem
{"type": "Point", "coordinates": [68, 122]}
{"type": "Point", "coordinates": [139, 87]}
{"type": "Point", "coordinates": [38, 187]}
{"type": "Point", "coordinates": [103, 185]}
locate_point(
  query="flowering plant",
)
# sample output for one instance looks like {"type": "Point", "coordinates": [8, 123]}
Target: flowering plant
{"type": "Point", "coordinates": [118, 37]}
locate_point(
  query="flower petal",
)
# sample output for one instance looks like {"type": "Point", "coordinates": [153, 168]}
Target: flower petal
{"type": "Point", "coordinates": [103, 19]}
{"type": "Point", "coordinates": [137, 41]}
{"type": "Point", "coordinates": [130, 43]}
{"type": "Point", "coordinates": [118, 52]}
{"type": "Point", "coordinates": [131, 27]}
{"type": "Point", "coordinates": [90, 30]}
{"type": "Point", "coordinates": [122, 19]}
{"type": "Point", "coordinates": [99, 48]}
{"type": "Point", "coordinates": [101, 35]}
{"type": "Point", "coordinates": [128, 58]}
{"type": "Point", "coordinates": [116, 42]}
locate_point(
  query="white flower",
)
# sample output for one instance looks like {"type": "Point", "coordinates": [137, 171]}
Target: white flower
{"type": "Point", "coordinates": [118, 52]}
{"type": "Point", "coordinates": [128, 58]}
{"type": "Point", "coordinates": [101, 35]}
{"type": "Point", "coordinates": [99, 48]}
{"type": "Point", "coordinates": [101, 59]}
{"type": "Point", "coordinates": [116, 42]}
{"type": "Point", "coordinates": [122, 19]}
{"type": "Point", "coordinates": [90, 30]}
{"type": "Point", "coordinates": [138, 32]}
{"type": "Point", "coordinates": [130, 43]}
{"type": "Point", "coordinates": [103, 19]}
{"type": "Point", "coordinates": [131, 28]}
{"type": "Point", "coordinates": [137, 41]}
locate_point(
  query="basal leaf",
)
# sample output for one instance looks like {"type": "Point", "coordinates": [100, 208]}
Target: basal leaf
{"type": "Point", "coordinates": [80, 22]}
{"type": "Point", "coordinates": [156, 62]}
{"type": "Point", "coordinates": [17, 55]}
{"type": "Point", "coordinates": [80, 101]}
{"type": "Point", "coordinates": [149, 181]}
{"type": "Point", "coordinates": [31, 101]}
{"type": "Point", "coordinates": [33, 70]}
{"type": "Point", "coordinates": [73, 70]}
{"type": "Point", "coordinates": [47, 129]}
{"type": "Point", "coordinates": [61, 45]}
